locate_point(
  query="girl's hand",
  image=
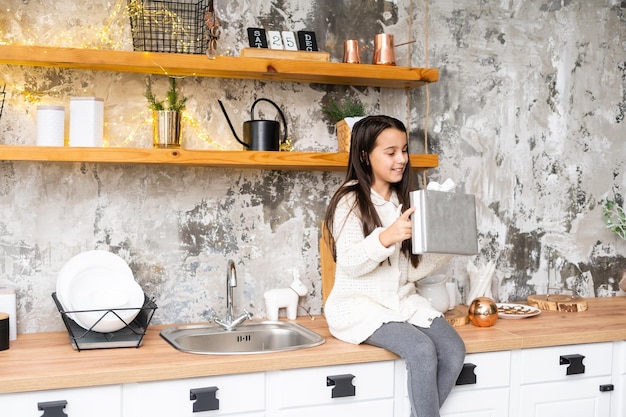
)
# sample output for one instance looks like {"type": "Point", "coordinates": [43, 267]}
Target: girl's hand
{"type": "Point", "coordinates": [399, 231]}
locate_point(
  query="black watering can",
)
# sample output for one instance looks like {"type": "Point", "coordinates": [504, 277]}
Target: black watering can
{"type": "Point", "coordinates": [260, 135]}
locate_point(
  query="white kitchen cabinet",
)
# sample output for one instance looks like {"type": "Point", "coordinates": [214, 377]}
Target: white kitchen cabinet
{"type": "Point", "coordinates": [229, 395]}
{"type": "Point", "coordinates": [530, 382]}
{"type": "Point", "coordinates": [618, 403]}
{"type": "Point", "coordinates": [488, 396]}
{"type": "Point", "coordinates": [364, 390]}
{"type": "Point", "coordinates": [573, 381]}
{"type": "Point", "coordinates": [580, 398]}
{"type": "Point", "coordinates": [104, 401]}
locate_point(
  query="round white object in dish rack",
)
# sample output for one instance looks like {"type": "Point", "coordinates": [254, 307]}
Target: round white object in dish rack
{"type": "Point", "coordinates": [98, 286]}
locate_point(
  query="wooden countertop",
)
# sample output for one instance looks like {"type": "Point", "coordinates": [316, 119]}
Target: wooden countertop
{"type": "Point", "coordinates": [43, 361]}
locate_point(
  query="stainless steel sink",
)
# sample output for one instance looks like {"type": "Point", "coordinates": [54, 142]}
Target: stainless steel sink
{"type": "Point", "coordinates": [248, 338]}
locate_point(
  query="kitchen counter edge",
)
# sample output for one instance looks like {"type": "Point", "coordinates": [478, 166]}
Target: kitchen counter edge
{"type": "Point", "coordinates": [45, 361]}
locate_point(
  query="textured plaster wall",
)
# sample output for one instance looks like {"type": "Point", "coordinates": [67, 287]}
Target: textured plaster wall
{"type": "Point", "coordinates": [527, 115]}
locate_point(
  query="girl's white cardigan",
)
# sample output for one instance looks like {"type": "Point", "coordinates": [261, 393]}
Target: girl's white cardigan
{"type": "Point", "coordinates": [373, 284]}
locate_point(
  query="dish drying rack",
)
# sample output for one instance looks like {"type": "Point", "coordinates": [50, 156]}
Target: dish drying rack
{"type": "Point", "coordinates": [131, 335]}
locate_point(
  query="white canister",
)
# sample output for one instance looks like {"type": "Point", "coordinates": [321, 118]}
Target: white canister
{"type": "Point", "coordinates": [8, 306]}
{"type": "Point", "coordinates": [50, 125]}
{"type": "Point", "coordinates": [86, 121]}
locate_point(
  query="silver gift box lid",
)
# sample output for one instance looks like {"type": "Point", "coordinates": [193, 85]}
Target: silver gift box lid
{"type": "Point", "coordinates": [444, 222]}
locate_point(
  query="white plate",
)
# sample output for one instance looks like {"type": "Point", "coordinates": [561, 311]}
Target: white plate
{"type": "Point", "coordinates": [99, 280]}
{"type": "Point", "coordinates": [88, 259]}
{"type": "Point", "coordinates": [516, 311]}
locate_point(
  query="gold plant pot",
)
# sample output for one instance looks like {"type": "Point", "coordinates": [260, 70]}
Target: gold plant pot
{"type": "Point", "coordinates": [343, 136]}
{"type": "Point", "coordinates": [166, 128]}
{"type": "Point", "coordinates": [344, 132]}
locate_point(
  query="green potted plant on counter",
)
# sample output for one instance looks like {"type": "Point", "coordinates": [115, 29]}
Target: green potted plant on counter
{"type": "Point", "coordinates": [615, 221]}
{"type": "Point", "coordinates": [166, 116]}
{"type": "Point", "coordinates": [614, 217]}
{"type": "Point", "coordinates": [344, 113]}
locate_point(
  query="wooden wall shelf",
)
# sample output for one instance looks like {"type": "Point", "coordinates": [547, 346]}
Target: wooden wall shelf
{"type": "Point", "coordinates": [269, 69]}
{"type": "Point", "coordinates": [301, 161]}
{"type": "Point", "coordinates": [221, 67]}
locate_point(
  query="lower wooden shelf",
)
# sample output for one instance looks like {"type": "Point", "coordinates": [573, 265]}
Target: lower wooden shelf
{"type": "Point", "coordinates": [297, 161]}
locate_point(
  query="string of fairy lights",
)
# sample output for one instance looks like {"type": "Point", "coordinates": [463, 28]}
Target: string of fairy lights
{"type": "Point", "coordinates": [113, 35]}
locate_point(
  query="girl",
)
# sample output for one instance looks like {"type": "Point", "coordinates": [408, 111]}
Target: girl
{"type": "Point", "coordinates": [374, 299]}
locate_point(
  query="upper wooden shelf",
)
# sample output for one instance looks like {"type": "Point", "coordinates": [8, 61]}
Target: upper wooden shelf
{"type": "Point", "coordinates": [301, 161]}
{"type": "Point", "coordinates": [222, 67]}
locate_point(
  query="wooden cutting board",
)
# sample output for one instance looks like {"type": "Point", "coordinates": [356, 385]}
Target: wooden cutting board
{"type": "Point", "coordinates": [457, 317]}
{"type": "Point", "coordinates": [283, 54]}
{"type": "Point", "coordinates": [557, 302]}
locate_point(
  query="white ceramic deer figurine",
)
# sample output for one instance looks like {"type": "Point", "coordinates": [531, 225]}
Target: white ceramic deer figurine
{"type": "Point", "coordinates": [286, 298]}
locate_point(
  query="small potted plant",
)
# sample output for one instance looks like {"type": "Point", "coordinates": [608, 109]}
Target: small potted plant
{"type": "Point", "coordinates": [615, 220]}
{"type": "Point", "coordinates": [614, 217]}
{"type": "Point", "coordinates": [344, 114]}
{"type": "Point", "coordinates": [166, 115]}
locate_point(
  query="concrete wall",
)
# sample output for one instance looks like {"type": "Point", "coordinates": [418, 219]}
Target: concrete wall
{"type": "Point", "coordinates": [528, 115]}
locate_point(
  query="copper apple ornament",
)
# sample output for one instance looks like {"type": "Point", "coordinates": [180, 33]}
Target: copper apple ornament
{"type": "Point", "coordinates": [483, 312]}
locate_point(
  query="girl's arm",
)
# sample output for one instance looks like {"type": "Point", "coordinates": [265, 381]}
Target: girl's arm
{"type": "Point", "coordinates": [356, 254]}
{"type": "Point", "coordinates": [429, 264]}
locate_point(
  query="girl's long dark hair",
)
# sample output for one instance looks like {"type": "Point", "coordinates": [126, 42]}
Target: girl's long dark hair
{"type": "Point", "coordinates": [364, 135]}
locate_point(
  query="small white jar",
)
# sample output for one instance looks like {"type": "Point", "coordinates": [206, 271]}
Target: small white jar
{"type": "Point", "coordinates": [50, 125]}
{"type": "Point", "coordinates": [86, 121]}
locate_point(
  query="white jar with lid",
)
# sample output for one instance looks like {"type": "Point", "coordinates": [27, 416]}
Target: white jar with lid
{"type": "Point", "coordinates": [9, 307]}
{"type": "Point", "coordinates": [86, 121]}
{"type": "Point", "coordinates": [50, 125]}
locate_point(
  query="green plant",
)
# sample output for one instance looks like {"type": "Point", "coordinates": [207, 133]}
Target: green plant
{"type": "Point", "coordinates": [339, 110]}
{"type": "Point", "coordinates": [174, 101]}
{"type": "Point", "coordinates": [614, 218]}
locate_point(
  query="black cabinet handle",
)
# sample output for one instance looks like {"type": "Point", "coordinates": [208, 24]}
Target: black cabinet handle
{"type": "Point", "coordinates": [574, 362]}
{"type": "Point", "coordinates": [205, 399]}
{"type": "Point", "coordinates": [342, 385]}
{"type": "Point", "coordinates": [467, 375]}
{"type": "Point", "coordinates": [607, 387]}
{"type": "Point", "coordinates": [52, 408]}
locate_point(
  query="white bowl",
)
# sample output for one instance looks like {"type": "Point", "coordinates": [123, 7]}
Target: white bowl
{"type": "Point", "coordinates": [102, 281]}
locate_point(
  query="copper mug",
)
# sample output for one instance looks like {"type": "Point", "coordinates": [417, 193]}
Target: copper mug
{"type": "Point", "coordinates": [351, 52]}
{"type": "Point", "coordinates": [384, 53]}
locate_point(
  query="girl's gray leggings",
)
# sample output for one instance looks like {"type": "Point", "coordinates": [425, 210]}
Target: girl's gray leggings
{"type": "Point", "coordinates": [434, 358]}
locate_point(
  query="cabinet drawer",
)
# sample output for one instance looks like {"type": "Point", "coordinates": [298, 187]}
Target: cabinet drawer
{"type": "Point", "coordinates": [491, 370]}
{"type": "Point", "coordinates": [580, 398]}
{"type": "Point", "coordinates": [212, 396]}
{"type": "Point", "coordinates": [331, 384]}
{"type": "Point", "coordinates": [482, 402]}
{"type": "Point", "coordinates": [374, 408]}
{"type": "Point", "coordinates": [102, 401]}
{"type": "Point", "coordinates": [475, 403]}
{"type": "Point", "coordinates": [619, 402]}
{"type": "Point", "coordinates": [560, 363]}
{"type": "Point", "coordinates": [620, 357]}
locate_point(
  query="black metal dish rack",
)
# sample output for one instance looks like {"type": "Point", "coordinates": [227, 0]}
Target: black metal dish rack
{"type": "Point", "coordinates": [131, 335]}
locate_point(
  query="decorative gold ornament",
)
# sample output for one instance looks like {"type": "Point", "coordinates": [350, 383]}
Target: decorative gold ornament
{"type": "Point", "coordinates": [483, 312]}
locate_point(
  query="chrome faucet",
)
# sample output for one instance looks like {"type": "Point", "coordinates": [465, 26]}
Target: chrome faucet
{"type": "Point", "coordinates": [229, 322]}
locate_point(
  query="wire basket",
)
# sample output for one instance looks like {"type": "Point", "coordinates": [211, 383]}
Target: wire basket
{"type": "Point", "coordinates": [131, 335]}
{"type": "Point", "coordinates": [175, 26]}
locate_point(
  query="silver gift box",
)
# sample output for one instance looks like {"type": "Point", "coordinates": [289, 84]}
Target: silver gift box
{"type": "Point", "coordinates": [444, 222]}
